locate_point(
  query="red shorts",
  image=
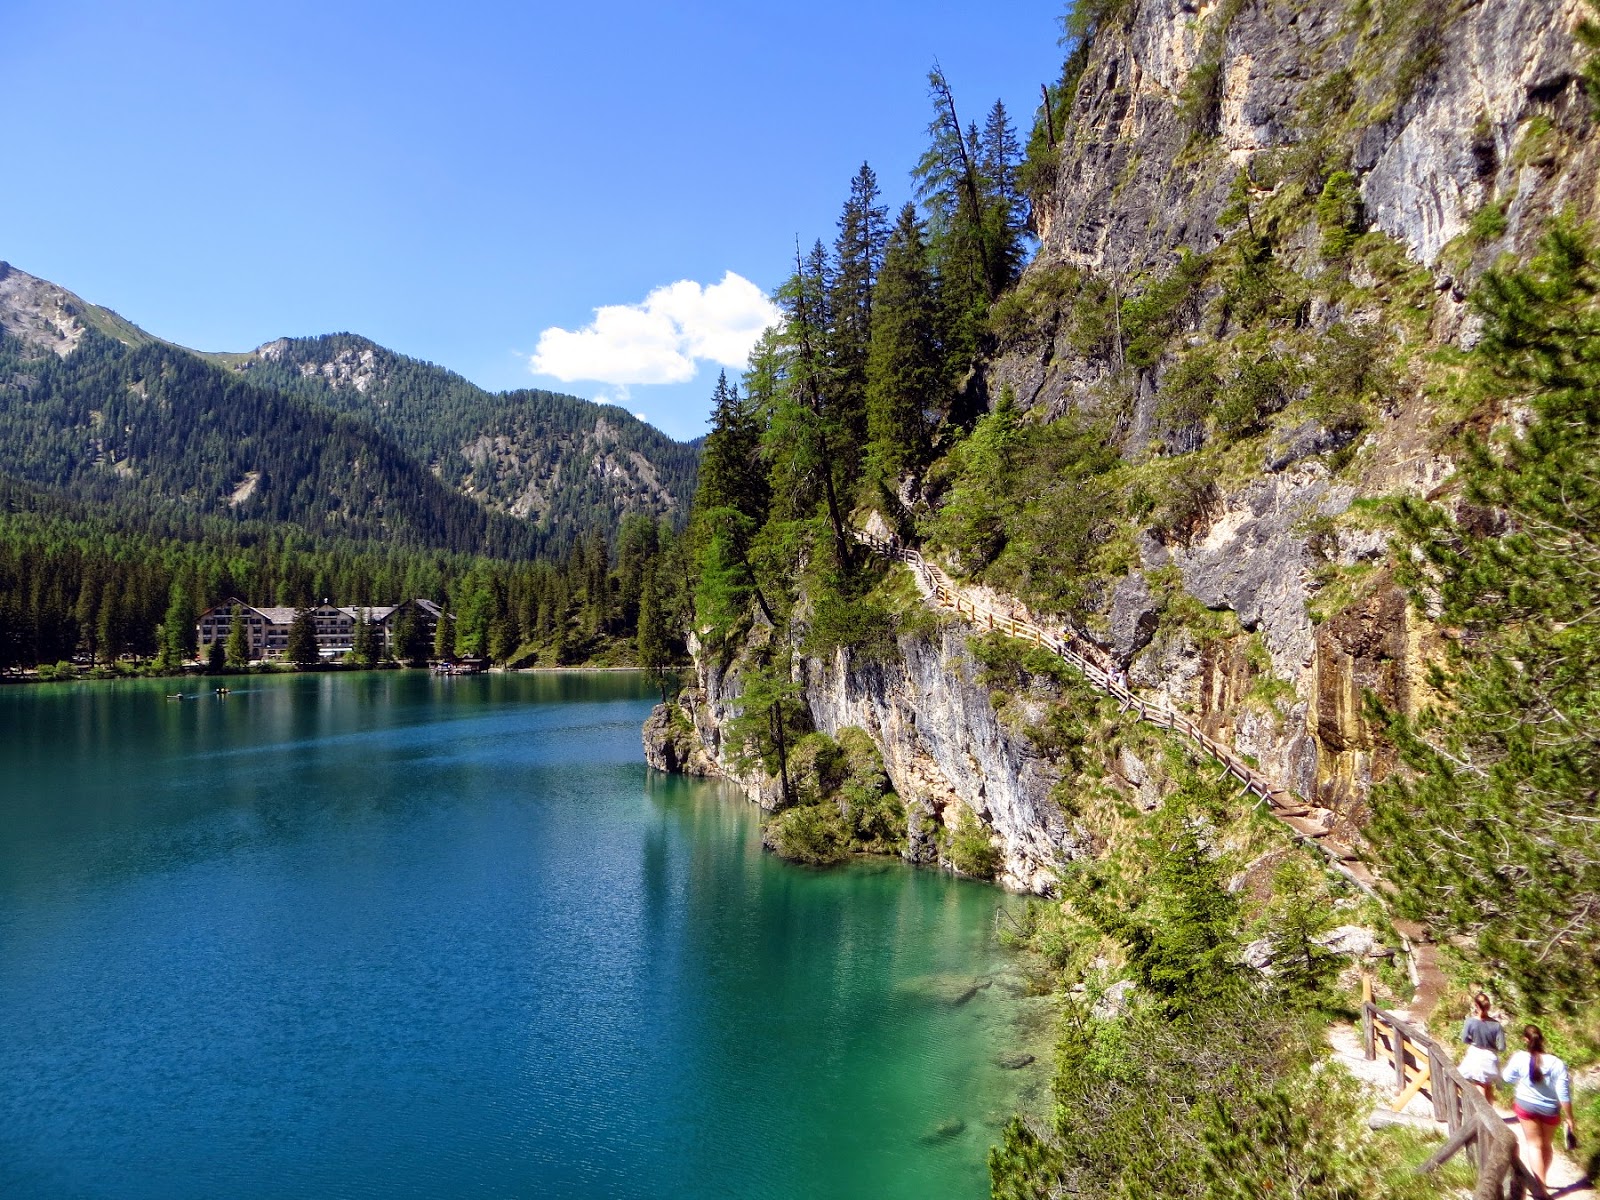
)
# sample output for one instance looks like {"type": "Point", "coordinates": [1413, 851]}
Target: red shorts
{"type": "Point", "coordinates": [1542, 1118]}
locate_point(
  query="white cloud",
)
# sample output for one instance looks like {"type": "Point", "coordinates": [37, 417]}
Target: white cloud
{"type": "Point", "coordinates": [662, 340]}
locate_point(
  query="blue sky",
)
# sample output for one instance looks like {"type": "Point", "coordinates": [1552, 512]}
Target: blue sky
{"type": "Point", "coordinates": [455, 180]}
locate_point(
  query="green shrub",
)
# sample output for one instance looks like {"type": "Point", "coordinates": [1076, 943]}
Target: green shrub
{"type": "Point", "coordinates": [969, 849]}
{"type": "Point", "coordinates": [1487, 224]}
{"type": "Point", "coordinates": [1258, 387]}
{"type": "Point", "coordinates": [1188, 394]}
{"type": "Point", "coordinates": [1340, 214]}
{"type": "Point", "coordinates": [810, 833]}
{"type": "Point", "coordinates": [817, 767]}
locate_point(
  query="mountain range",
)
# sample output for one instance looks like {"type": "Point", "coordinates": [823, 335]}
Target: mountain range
{"type": "Point", "coordinates": [334, 435]}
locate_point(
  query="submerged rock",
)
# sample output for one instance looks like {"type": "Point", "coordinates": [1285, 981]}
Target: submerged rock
{"type": "Point", "coordinates": [1014, 1062]}
{"type": "Point", "coordinates": [945, 1130]}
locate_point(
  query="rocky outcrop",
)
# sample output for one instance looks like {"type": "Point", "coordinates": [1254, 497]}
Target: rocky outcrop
{"type": "Point", "coordinates": [945, 748]}
{"type": "Point", "coordinates": [670, 741]}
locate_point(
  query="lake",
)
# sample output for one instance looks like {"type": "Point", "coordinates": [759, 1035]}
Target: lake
{"type": "Point", "coordinates": [381, 934]}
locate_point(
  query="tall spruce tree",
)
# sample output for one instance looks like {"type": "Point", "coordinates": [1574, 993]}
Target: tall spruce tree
{"type": "Point", "coordinates": [1493, 831]}
{"type": "Point", "coordinates": [806, 444]}
{"type": "Point", "coordinates": [237, 652]}
{"type": "Point", "coordinates": [1006, 217]}
{"type": "Point", "coordinates": [905, 371]}
{"type": "Point", "coordinates": [301, 648]}
{"type": "Point", "coordinates": [732, 474]}
{"type": "Point", "coordinates": [653, 638]}
{"type": "Point", "coordinates": [858, 257]}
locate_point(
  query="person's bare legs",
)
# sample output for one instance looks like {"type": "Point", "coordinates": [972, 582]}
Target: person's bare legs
{"type": "Point", "coordinates": [1488, 1093]}
{"type": "Point", "coordinates": [1536, 1134]}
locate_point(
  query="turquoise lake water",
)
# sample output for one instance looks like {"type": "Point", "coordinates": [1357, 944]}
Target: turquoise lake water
{"type": "Point", "coordinates": [386, 935]}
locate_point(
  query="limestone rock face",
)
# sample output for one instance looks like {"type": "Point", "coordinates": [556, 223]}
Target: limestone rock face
{"type": "Point", "coordinates": [945, 747]}
{"type": "Point", "coordinates": [1438, 147]}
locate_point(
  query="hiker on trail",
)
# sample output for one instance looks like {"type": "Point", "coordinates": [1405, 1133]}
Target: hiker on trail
{"type": "Point", "coordinates": [1543, 1096]}
{"type": "Point", "coordinates": [1486, 1042]}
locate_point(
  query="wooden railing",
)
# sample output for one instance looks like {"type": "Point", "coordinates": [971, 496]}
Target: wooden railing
{"type": "Point", "coordinates": [1308, 823]}
{"type": "Point", "coordinates": [1424, 1068]}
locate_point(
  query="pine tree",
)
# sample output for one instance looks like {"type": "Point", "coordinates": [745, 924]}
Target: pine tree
{"type": "Point", "coordinates": [366, 643]}
{"type": "Point", "coordinates": [732, 475]}
{"type": "Point", "coordinates": [858, 257]}
{"type": "Point", "coordinates": [1006, 217]}
{"type": "Point", "coordinates": [809, 447]}
{"type": "Point", "coordinates": [652, 639]}
{"type": "Point", "coordinates": [905, 370]}
{"type": "Point", "coordinates": [301, 648]}
{"type": "Point", "coordinates": [1494, 831]}
{"type": "Point", "coordinates": [444, 638]}
{"type": "Point", "coordinates": [178, 641]}
{"type": "Point", "coordinates": [238, 650]}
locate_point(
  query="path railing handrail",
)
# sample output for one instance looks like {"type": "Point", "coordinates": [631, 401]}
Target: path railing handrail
{"type": "Point", "coordinates": [1422, 1067]}
{"type": "Point", "coordinates": [1282, 802]}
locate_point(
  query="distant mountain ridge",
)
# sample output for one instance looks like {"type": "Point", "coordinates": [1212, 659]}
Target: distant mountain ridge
{"type": "Point", "coordinates": [530, 453]}
{"type": "Point", "coordinates": [335, 434]}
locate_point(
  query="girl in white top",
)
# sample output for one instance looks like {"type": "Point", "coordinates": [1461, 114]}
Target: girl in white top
{"type": "Point", "coordinates": [1543, 1096]}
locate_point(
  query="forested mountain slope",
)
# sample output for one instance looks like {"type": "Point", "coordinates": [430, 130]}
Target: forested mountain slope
{"type": "Point", "coordinates": [137, 429]}
{"type": "Point", "coordinates": [550, 458]}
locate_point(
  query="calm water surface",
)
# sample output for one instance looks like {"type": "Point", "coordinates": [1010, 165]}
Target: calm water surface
{"type": "Point", "coordinates": [387, 935]}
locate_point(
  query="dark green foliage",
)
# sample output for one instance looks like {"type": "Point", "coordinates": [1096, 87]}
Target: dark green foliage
{"type": "Point", "coordinates": [858, 260]}
{"type": "Point", "coordinates": [1303, 1139]}
{"type": "Point", "coordinates": [1189, 393]}
{"type": "Point", "coordinates": [1135, 1096]}
{"type": "Point", "coordinates": [975, 518]}
{"type": "Point", "coordinates": [843, 802]}
{"type": "Point", "coordinates": [1182, 942]}
{"type": "Point", "coordinates": [1150, 319]}
{"type": "Point", "coordinates": [810, 833]}
{"type": "Point", "coordinates": [1588, 35]}
{"type": "Point", "coordinates": [772, 717]}
{"type": "Point", "coordinates": [1340, 214]}
{"type": "Point", "coordinates": [1255, 286]}
{"type": "Point", "coordinates": [1494, 832]}
{"type": "Point", "coordinates": [1261, 384]}
{"type": "Point", "coordinates": [1303, 969]}
{"type": "Point", "coordinates": [1350, 373]}
{"type": "Point", "coordinates": [970, 849]}
{"type": "Point", "coordinates": [302, 646]}
{"type": "Point", "coordinates": [1023, 510]}
{"type": "Point", "coordinates": [731, 472]}
{"type": "Point", "coordinates": [653, 641]}
{"type": "Point", "coordinates": [1184, 504]}
{"type": "Point", "coordinates": [845, 616]}
{"type": "Point", "coordinates": [238, 645]}
{"type": "Point", "coordinates": [367, 643]}
{"type": "Point", "coordinates": [907, 392]}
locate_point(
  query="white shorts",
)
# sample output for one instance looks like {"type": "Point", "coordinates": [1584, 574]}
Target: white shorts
{"type": "Point", "coordinates": [1480, 1065]}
